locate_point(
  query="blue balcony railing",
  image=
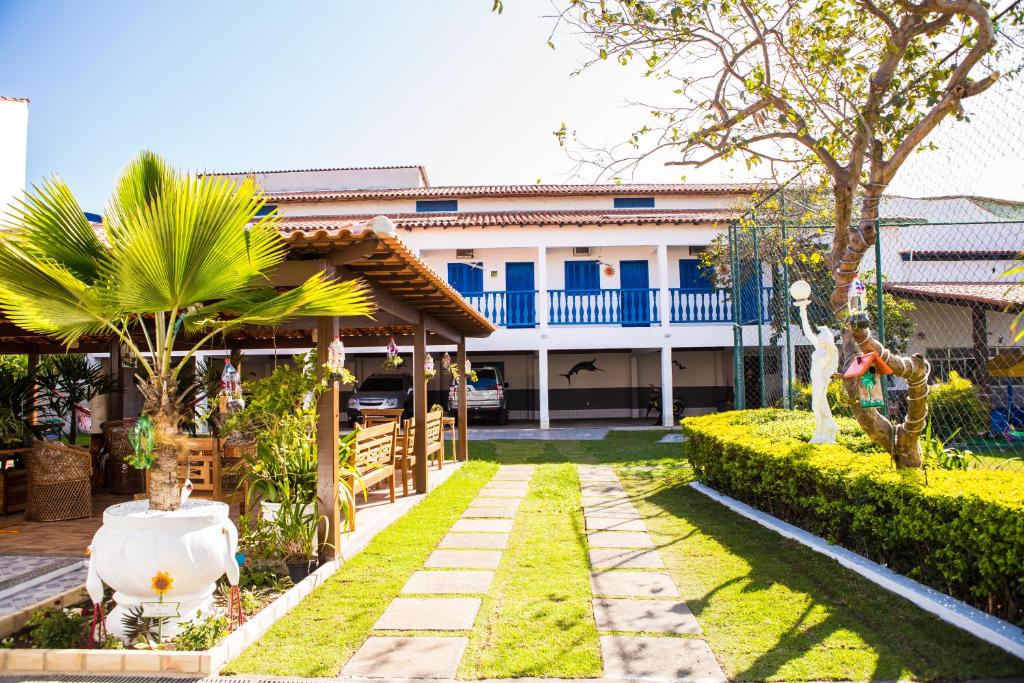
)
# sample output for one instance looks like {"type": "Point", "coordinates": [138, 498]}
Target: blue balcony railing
{"type": "Point", "coordinates": [714, 305]}
{"type": "Point", "coordinates": [631, 307]}
{"type": "Point", "coordinates": [507, 309]}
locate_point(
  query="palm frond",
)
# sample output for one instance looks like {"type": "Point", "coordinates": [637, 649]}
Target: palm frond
{"type": "Point", "coordinates": [41, 295]}
{"type": "Point", "coordinates": [49, 224]}
{"type": "Point", "coordinates": [317, 296]}
{"type": "Point", "coordinates": [191, 243]}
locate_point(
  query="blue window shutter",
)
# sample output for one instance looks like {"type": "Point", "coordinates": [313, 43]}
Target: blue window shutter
{"type": "Point", "coordinates": [466, 278]}
{"type": "Point", "coordinates": [693, 274]}
{"type": "Point", "coordinates": [427, 205]}
{"type": "Point", "coordinates": [266, 209]}
{"type": "Point", "coordinates": [581, 276]}
{"type": "Point", "coordinates": [633, 202]}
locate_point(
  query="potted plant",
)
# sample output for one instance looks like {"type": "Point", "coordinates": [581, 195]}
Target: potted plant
{"type": "Point", "coordinates": [68, 380]}
{"type": "Point", "coordinates": [182, 261]}
{"type": "Point", "coordinates": [297, 529]}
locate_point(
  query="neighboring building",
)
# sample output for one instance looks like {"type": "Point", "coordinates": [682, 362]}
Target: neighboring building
{"type": "Point", "coordinates": [13, 148]}
{"type": "Point", "coordinates": [571, 273]}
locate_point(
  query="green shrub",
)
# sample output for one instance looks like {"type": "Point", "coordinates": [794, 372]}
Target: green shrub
{"type": "Point", "coordinates": [56, 628]}
{"type": "Point", "coordinates": [202, 634]}
{"type": "Point", "coordinates": [836, 394]}
{"type": "Point", "coordinates": [961, 532]}
{"type": "Point", "coordinates": [955, 408]}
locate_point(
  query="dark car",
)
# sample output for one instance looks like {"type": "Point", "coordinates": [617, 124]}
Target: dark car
{"type": "Point", "coordinates": [484, 396]}
{"type": "Point", "coordinates": [381, 391]}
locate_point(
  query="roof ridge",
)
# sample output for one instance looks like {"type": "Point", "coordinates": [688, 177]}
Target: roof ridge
{"type": "Point", "coordinates": [6, 98]}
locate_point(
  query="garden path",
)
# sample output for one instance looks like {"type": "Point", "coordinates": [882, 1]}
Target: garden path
{"type": "Point", "coordinates": [445, 595]}
{"type": "Point", "coordinates": [645, 630]}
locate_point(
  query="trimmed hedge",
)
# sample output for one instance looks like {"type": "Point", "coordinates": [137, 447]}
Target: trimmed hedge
{"type": "Point", "coordinates": [959, 532]}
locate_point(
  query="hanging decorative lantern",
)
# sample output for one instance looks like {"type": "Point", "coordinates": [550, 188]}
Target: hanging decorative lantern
{"type": "Point", "coordinates": [869, 370]}
{"type": "Point", "coordinates": [469, 366]}
{"type": "Point", "coordinates": [446, 361]}
{"type": "Point", "coordinates": [128, 359]}
{"type": "Point", "coordinates": [393, 361]}
{"type": "Point", "coordinates": [428, 368]}
{"type": "Point", "coordinates": [336, 356]}
{"type": "Point", "coordinates": [856, 304]}
{"type": "Point", "coordinates": [230, 396]}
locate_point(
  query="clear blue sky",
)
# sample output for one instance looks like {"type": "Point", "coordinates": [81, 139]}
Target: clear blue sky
{"type": "Point", "coordinates": [472, 95]}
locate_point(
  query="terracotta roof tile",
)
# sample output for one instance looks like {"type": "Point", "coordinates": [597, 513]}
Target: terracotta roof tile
{"type": "Point", "coordinates": [464, 191]}
{"type": "Point", "coordinates": [4, 98]}
{"type": "Point", "coordinates": [515, 218]}
{"type": "Point", "coordinates": [997, 295]}
{"type": "Point", "coordinates": [316, 170]}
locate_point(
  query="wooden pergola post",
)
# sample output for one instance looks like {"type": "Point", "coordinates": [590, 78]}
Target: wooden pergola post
{"type": "Point", "coordinates": [327, 468]}
{"type": "Point", "coordinates": [463, 419]}
{"type": "Point", "coordinates": [419, 404]}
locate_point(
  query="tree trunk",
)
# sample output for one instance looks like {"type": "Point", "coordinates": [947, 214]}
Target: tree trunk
{"type": "Point", "coordinates": [161, 405]}
{"type": "Point", "coordinates": [902, 440]}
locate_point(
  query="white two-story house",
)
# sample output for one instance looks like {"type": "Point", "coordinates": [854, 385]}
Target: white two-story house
{"type": "Point", "coordinates": [598, 289]}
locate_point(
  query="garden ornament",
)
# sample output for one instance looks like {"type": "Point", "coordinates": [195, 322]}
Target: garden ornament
{"type": "Point", "coordinates": [856, 305]}
{"type": "Point", "coordinates": [824, 363]}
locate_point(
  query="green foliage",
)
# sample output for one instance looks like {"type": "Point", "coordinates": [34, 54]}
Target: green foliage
{"type": "Point", "coordinates": [955, 406]}
{"type": "Point", "coordinates": [202, 634]}
{"type": "Point", "coordinates": [838, 399]}
{"type": "Point", "coordinates": [961, 532]}
{"type": "Point", "coordinates": [936, 454]}
{"type": "Point", "coordinates": [57, 628]}
{"type": "Point", "coordinates": [14, 365]}
{"type": "Point", "coordinates": [68, 379]}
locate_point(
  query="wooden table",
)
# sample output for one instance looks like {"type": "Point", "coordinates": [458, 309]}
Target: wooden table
{"type": "Point", "coordinates": [13, 480]}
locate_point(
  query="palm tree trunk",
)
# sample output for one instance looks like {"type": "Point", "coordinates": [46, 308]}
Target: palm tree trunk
{"type": "Point", "coordinates": [161, 405]}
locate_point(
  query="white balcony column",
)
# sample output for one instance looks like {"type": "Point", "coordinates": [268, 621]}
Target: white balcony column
{"type": "Point", "coordinates": [542, 291]}
{"type": "Point", "coordinates": [542, 388]}
{"type": "Point", "coordinates": [664, 302]}
{"type": "Point", "coordinates": [666, 386]}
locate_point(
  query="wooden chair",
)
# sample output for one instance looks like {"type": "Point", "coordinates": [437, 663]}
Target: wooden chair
{"type": "Point", "coordinates": [371, 417]}
{"type": "Point", "coordinates": [121, 477]}
{"type": "Point", "coordinates": [407, 447]}
{"type": "Point", "coordinates": [372, 455]}
{"type": "Point", "coordinates": [212, 475]}
{"type": "Point", "coordinates": [59, 482]}
{"type": "Point", "coordinates": [448, 425]}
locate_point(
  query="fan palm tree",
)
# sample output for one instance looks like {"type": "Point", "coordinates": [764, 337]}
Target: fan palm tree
{"type": "Point", "coordinates": [184, 260]}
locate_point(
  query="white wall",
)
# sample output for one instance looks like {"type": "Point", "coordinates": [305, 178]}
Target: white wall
{"type": "Point", "coordinates": [13, 149]}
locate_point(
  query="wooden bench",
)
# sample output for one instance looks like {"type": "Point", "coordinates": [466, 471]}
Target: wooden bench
{"type": "Point", "coordinates": [407, 447]}
{"type": "Point", "coordinates": [372, 455]}
{"type": "Point", "coordinates": [212, 475]}
{"type": "Point", "coordinates": [371, 417]}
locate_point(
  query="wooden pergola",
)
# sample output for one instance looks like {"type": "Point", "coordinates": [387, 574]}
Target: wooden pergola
{"type": "Point", "coordinates": [414, 306]}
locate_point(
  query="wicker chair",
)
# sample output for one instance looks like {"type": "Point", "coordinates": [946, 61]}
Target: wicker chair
{"type": "Point", "coordinates": [123, 478]}
{"type": "Point", "coordinates": [58, 482]}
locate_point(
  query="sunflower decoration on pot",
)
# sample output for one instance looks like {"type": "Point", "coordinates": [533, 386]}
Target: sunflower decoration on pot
{"type": "Point", "coordinates": [393, 361]}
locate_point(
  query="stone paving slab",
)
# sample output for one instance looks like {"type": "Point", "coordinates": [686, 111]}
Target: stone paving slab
{"type": "Point", "coordinates": [601, 499]}
{"type": "Point", "coordinates": [475, 540]}
{"type": "Point", "coordinates": [463, 559]}
{"type": "Point", "coordinates": [513, 476]}
{"type": "Point", "coordinates": [429, 614]}
{"type": "Point", "coordinates": [503, 494]}
{"type": "Point", "coordinates": [634, 584]}
{"type": "Point", "coordinates": [449, 582]}
{"type": "Point", "coordinates": [608, 558]}
{"type": "Point", "coordinates": [501, 526]}
{"type": "Point", "coordinates": [506, 485]}
{"type": "Point", "coordinates": [619, 539]}
{"type": "Point", "coordinates": [686, 660]}
{"type": "Point", "coordinates": [510, 504]}
{"type": "Point", "coordinates": [615, 523]}
{"type": "Point", "coordinates": [485, 512]}
{"type": "Point", "coordinates": [616, 513]}
{"type": "Point", "coordinates": [602, 488]}
{"type": "Point", "coordinates": [386, 657]}
{"type": "Point", "coordinates": [644, 616]}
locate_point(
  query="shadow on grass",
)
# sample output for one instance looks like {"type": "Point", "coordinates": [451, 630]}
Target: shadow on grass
{"type": "Point", "coordinates": [832, 613]}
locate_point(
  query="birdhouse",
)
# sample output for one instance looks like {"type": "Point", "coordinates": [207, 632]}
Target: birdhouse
{"type": "Point", "coordinates": [869, 368]}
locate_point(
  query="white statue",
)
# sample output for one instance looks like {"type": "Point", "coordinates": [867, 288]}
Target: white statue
{"type": "Point", "coordinates": [824, 363]}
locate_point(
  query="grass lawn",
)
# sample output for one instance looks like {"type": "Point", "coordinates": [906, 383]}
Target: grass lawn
{"type": "Point", "coordinates": [325, 630]}
{"type": "Point", "coordinates": [537, 618]}
{"type": "Point", "coordinates": [770, 609]}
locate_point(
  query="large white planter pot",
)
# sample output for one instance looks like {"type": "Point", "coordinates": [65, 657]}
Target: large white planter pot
{"type": "Point", "coordinates": [193, 544]}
